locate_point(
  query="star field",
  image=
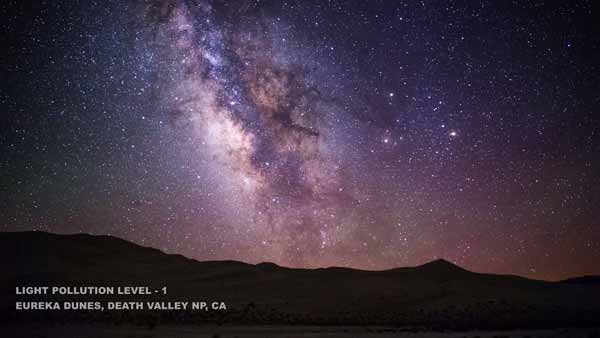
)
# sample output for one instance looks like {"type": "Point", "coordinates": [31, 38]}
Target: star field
{"type": "Point", "coordinates": [363, 134]}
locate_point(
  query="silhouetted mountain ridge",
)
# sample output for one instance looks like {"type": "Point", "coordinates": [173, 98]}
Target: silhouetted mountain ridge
{"type": "Point", "coordinates": [591, 279]}
{"type": "Point", "coordinates": [98, 245]}
{"type": "Point", "coordinates": [435, 293]}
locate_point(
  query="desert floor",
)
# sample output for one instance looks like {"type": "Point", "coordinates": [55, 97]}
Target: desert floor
{"type": "Point", "coordinates": [88, 331]}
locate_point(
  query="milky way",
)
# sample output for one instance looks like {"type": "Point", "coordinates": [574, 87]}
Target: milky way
{"type": "Point", "coordinates": [309, 134]}
{"type": "Point", "coordinates": [259, 126]}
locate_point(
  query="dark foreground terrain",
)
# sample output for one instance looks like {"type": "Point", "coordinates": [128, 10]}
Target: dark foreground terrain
{"type": "Point", "coordinates": [266, 299]}
{"type": "Point", "coordinates": [262, 331]}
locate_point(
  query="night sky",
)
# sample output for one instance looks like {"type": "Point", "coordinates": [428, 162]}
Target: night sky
{"type": "Point", "coordinates": [368, 134]}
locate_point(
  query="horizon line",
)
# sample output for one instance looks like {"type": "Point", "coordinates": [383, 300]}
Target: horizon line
{"type": "Point", "coordinates": [433, 261]}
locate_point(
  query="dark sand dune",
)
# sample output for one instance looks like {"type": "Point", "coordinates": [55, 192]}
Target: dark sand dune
{"type": "Point", "coordinates": [436, 295]}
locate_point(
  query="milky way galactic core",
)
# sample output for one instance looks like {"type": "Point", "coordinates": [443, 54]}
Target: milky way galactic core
{"type": "Point", "coordinates": [309, 134]}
